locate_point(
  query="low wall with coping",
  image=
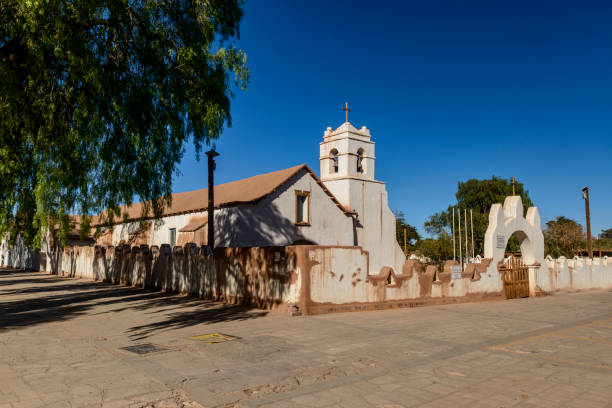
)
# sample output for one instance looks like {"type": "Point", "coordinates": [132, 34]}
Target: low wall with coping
{"type": "Point", "coordinates": [337, 279]}
{"type": "Point", "coordinates": [261, 277]}
{"type": "Point", "coordinates": [308, 279]}
{"type": "Point", "coordinates": [303, 279]}
{"type": "Point", "coordinates": [574, 274]}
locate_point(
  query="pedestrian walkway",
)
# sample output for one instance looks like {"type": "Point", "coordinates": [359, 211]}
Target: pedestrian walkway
{"type": "Point", "coordinates": [74, 343]}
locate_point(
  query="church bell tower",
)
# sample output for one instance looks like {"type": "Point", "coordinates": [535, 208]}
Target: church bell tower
{"type": "Point", "coordinates": [347, 170]}
{"type": "Point", "coordinates": [347, 161]}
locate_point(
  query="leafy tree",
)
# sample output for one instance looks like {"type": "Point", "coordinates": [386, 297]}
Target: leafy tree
{"type": "Point", "coordinates": [478, 195]}
{"type": "Point", "coordinates": [607, 234]}
{"type": "Point", "coordinates": [99, 97]}
{"type": "Point", "coordinates": [604, 241]}
{"type": "Point", "coordinates": [412, 235]}
{"type": "Point", "coordinates": [438, 250]}
{"type": "Point", "coordinates": [563, 236]}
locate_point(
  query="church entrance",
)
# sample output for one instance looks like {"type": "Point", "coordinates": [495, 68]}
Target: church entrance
{"type": "Point", "coordinates": [518, 274]}
{"type": "Point", "coordinates": [516, 278]}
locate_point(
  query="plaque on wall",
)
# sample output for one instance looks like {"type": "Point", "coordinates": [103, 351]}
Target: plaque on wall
{"type": "Point", "coordinates": [501, 241]}
{"type": "Point", "coordinates": [456, 271]}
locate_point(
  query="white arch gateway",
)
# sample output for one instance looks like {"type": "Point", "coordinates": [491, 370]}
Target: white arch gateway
{"type": "Point", "coordinates": [507, 221]}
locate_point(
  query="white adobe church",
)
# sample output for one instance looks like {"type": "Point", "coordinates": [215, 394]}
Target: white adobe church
{"type": "Point", "coordinates": [346, 206]}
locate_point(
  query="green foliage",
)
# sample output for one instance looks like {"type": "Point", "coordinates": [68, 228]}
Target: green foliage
{"type": "Point", "coordinates": [606, 234]}
{"type": "Point", "coordinates": [513, 244]}
{"type": "Point", "coordinates": [478, 195]}
{"type": "Point", "coordinates": [563, 236]}
{"type": "Point", "coordinates": [438, 250]}
{"type": "Point", "coordinates": [412, 235]}
{"type": "Point", "coordinates": [604, 241]}
{"type": "Point", "coordinates": [98, 98]}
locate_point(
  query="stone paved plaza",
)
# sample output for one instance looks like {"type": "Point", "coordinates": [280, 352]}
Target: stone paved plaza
{"type": "Point", "coordinates": [62, 344]}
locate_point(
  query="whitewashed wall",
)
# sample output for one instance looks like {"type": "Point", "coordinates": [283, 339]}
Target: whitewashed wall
{"type": "Point", "coordinates": [315, 279]}
{"type": "Point", "coordinates": [269, 222]}
{"type": "Point", "coordinates": [19, 256]}
{"type": "Point", "coordinates": [574, 274]}
{"type": "Point", "coordinates": [160, 231]}
{"type": "Point", "coordinates": [359, 191]}
{"type": "Point", "coordinates": [340, 279]}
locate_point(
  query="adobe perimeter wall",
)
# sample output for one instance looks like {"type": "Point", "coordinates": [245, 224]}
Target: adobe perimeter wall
{"type": "Point", "coordinates": [336, 279]}
{"type": "Point", "coordinates": [304, 279]}
{"type": "Point", "coordinates": [260, 277]}
{"type": "Point", "coordinates": [574, 274]}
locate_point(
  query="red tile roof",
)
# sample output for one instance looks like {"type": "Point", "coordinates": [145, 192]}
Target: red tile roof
{"type": "Point", "coordinates": [245, 191]}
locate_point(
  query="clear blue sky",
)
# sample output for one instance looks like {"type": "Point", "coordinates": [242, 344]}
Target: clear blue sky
{"type": "Point", "coordinates": [450, 91]}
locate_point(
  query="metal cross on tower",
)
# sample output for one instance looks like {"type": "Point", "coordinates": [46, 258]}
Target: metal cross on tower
{"type": "Point", "coordinates": [346, 109]}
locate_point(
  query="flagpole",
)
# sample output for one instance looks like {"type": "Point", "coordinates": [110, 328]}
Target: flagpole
{"type": "Point", "coordinates": [460, 249]}
{"type": "Point", "coordinates": [453, 232]}
{"type": "Point", "coordinates": [472, 228]}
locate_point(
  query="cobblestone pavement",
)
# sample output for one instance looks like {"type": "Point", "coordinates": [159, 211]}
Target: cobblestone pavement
{"type": "Point", "coordinates": [62, 344]}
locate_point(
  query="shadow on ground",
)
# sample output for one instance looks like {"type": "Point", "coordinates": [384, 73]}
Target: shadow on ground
{"type": "Point", "coordinates": [207, 313]}
{"type": "Point", "coordinates": [30, 298]}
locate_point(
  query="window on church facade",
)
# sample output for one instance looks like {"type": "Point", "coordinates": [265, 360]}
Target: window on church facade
{"type": "Point", "coordinates": [360, 161]}
{"type": "Point", "coordinates": [302, 207]}
{"type": "Point", "coordinates": [333, 155]}
{"type": "Point", "coordinates": [172, 237]}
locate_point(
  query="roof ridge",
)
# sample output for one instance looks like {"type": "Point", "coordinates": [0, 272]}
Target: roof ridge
{"type": "Point", "coordinates": [242, 179]}
{"type": "Point", "coordinates": [225, 194]}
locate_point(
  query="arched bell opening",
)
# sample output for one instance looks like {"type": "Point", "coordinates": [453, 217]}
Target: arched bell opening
{"type": "Point", "coordinates": [333, 161]}
{"type": "Point", "coordinates": [360, 162]}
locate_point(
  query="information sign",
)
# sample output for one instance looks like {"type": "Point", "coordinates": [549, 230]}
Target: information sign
{"type": "Point", "coordinates": [456, 271]}
{"type": "Point", "coordinates": [501, 241]}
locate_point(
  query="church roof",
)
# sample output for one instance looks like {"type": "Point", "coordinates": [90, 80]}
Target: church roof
{"type": "Point", "coordinates": [246, 191]}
